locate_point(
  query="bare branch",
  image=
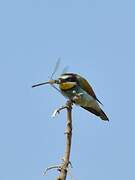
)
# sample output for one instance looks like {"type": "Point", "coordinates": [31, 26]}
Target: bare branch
{"type": "Point", "coordinates": [64, 165]}
{"type": "Point", "coordinates": [63, 168]}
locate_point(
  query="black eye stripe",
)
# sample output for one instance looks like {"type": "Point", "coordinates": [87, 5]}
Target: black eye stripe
{"type": "Point", "coordinates": [69, 78]}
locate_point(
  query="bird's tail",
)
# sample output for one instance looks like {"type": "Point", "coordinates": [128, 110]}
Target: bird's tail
{"type": "Point", "coordinates": [103, 116]}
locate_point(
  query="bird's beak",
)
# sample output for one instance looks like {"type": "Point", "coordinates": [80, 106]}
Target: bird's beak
{"type": "Point", "coordinates": [52, 81]}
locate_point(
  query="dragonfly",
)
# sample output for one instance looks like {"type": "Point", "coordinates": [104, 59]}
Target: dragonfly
{"type": "Point", "coordinates": [52, 81]}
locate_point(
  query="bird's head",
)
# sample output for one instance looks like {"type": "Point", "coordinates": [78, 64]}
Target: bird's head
{"type": "Point", "coordinates": [67, 81]}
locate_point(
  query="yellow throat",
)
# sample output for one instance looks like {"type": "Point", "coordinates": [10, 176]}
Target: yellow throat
{"type": "Point", "coordinates": [67, 85]}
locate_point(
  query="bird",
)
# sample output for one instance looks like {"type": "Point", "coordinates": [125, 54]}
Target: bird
{"type": "Point", "coordinates": [78, 89]}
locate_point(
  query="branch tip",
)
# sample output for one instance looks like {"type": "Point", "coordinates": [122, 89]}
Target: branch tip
{"type": "Point", "coordinates": [50, 168]}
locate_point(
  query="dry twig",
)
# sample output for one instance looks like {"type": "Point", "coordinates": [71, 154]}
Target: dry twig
{"type": "Point", "coordinates": [50, 168]}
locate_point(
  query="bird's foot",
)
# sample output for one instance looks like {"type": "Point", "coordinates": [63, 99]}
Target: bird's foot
{"type": "Point", "coordinates": [77, 96]}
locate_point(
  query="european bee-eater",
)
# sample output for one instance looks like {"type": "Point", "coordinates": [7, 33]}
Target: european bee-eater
{"type": "Point", "coordinates": [77, 89]}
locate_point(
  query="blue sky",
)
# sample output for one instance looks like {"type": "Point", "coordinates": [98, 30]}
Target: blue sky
{"type": "Point", "coordinates": [95, 39]}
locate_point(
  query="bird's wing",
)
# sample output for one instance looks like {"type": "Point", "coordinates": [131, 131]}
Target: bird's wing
{"type": "Point", "coordinates": [87, 87]}
{"type": "Point", "coordinates": [100, 113]}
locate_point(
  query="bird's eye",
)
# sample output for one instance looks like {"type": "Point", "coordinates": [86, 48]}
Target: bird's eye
{"type": "Point", "coordinates": [70, 79]}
